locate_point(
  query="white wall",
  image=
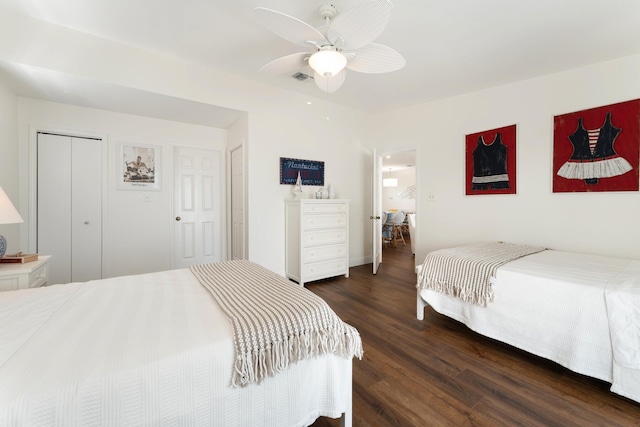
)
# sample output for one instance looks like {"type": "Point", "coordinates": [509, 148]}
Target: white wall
{"type": "Point", "coordinates": [137, 233]}
{"type": "Point", "coordinates": [280, 123]}
{"type": "Point", "coordinates": [8, 162]}
{"type": "Point", "coordinates": [535, 215]}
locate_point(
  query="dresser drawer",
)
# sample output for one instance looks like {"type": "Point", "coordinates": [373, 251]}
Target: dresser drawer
{"type": "Point", "coordinates": [328, 237]}
{"type": "Point", "coordinates": [324, 269]}
{"type": "Point", "coordinates": [38, 277]}
{"type": "Point", "coordinates": [324, 208]}
{"type": "Point", "coordinates": [323, 253]}
{"type": "Point", "coordinates": [311, 222]}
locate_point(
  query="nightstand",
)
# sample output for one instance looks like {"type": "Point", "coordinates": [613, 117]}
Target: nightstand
{"type": "Point", "coordinates": [32, 274]}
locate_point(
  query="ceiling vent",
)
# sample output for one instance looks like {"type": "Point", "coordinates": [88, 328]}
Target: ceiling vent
{"type": "Point", "coordinates": [301, 76]}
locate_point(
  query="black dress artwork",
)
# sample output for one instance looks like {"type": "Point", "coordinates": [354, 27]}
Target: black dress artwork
{"type": "Point", "coordinates": [490, 165]}
{"type": "Point", "coordinates": [593, 154]}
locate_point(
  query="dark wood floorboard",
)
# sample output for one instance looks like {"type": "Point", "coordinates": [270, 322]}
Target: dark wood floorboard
{"type": "Point", "coordinates": [437, 372]}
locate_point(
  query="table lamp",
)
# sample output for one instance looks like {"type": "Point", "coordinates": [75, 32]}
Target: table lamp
{"type": "Point", "coordinates": [8, 215]}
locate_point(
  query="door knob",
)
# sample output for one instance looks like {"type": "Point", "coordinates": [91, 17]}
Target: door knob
{"type": "Point", "coordinates": [374, 217]}
{"type": "Point", "coordinates": [178, 218]}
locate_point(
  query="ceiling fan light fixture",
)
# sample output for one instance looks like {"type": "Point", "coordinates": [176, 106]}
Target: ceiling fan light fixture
{"type": "Point", "coordinates": [328, 62]}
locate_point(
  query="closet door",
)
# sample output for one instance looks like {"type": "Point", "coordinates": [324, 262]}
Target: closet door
{"type": "Point", "coordinates": [54, 204]}
{"type": "Point", "coordinates": [86, 210]}
{"type": "Point", "coordinates": [70, 206]}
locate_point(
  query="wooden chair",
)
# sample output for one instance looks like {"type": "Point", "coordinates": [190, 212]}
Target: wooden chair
{"type": "Point", "coordinates": [398, 228]}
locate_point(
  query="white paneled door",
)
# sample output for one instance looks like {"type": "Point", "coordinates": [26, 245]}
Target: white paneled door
{"type": "Point", "coordinates": [69, 206]}
{"type": "Point", "coordinates": [376, 209]}
{"type": "Point", "coordinates": [198, 209]}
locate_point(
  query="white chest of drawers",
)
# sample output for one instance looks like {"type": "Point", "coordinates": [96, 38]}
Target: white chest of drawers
{"type": "Point", "coordinates": [23, 276]}
{"type": "Point", "coordinates": [316, 239]}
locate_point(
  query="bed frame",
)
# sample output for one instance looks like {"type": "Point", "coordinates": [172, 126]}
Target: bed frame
{"type": "Point", "coordinates": [146, 350]}
{"type": "Point", "coordinates": [560, 306]}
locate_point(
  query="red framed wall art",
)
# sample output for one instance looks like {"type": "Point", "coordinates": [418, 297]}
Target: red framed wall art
{"type": "Point", "coordinates": [491, 161]}
{"type": "Point", "coordinates": [597, 149]}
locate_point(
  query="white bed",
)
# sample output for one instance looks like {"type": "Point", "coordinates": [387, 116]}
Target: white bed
{"type": "Point", "coordinates": [563, 306]}
{"type": "Point", "coordinates": [153, 349]}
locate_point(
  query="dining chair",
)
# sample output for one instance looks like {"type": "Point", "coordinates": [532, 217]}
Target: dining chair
{"type": "Point", "coordinates": [387, 228]}
{"type": "Point", "coordinates": [398, 227]}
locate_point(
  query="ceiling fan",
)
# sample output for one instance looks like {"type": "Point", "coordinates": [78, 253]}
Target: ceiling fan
{"type": "Point", "coordinates": [343, 43]}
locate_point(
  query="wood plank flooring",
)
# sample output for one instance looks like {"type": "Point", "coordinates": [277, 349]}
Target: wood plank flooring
{"type": "Point", "coordinates": [437, 372]}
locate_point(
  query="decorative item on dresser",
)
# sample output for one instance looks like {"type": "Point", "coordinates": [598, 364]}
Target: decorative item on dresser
{"type": "Point", "coordinates": [14, 276]}
{"type": "Point", "coordinates": [317, 239]}
{"type": "Point", "coordinates": [8, 215]}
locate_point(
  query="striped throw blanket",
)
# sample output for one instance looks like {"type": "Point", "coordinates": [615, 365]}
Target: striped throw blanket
{"type": "Point", "coordinates": [275, 322]}
{"type": "Point", "coordinates": [465, 271]}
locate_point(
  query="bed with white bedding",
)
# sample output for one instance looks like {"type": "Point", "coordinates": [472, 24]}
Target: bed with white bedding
{"type": "Point", "coordinates": [153, 349]}
{"type": "Point", "coordinates": [581, 311]}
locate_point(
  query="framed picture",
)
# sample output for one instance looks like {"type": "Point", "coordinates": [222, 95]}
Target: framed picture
{"type": "Point", "coordinates": [491, 161]}
{"type": "Point", "coordinates": [597, 149]}
{"type": "Point", "coordinates": [311, 171]}
{"type": "Point", "coordinates": [139, 166]}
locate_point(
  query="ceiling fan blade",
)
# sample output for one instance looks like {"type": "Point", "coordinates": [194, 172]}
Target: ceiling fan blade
{"type": "Point", "coordinates": [376, 58]}
{"type": "Point", "coordinates": [289, 28]}
{"type": "Point", "coordinates": [330, 84]}
{"type": "Point", "coordinates": [360, 25]}
{"type": "Point", "coordinates": [286, 64]}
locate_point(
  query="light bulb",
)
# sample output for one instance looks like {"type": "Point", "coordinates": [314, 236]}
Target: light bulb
{"type": "Point", "coordinates": [328, 62]}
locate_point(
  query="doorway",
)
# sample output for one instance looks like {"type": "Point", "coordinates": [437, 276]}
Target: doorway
{"type": "Point", "coordinates": [398, 202]}
{"type": "Point", "coordinates": [238, 250]}
{"type": "Point", "coordinates": [197, 206]}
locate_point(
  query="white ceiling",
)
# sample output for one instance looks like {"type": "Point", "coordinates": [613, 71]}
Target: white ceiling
{"type": "Point", "coordinates": [451, 46]}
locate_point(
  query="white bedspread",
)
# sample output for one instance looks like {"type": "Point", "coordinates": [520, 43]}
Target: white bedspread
{"type": "Point", "coordinates": [152, 349]}
{"type": "Point", "coordinates": [623, 307]}
{"type": "Point", "coordinates": [551, 304]}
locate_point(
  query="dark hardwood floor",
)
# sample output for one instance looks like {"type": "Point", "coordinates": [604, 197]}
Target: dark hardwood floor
{"type": "Point", "coordinates": [437, 372]}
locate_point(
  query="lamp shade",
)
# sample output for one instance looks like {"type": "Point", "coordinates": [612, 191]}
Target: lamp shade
{"type": "Point", "coordinates": [390, 182]}
{"type": "Point", "coordinates": [327, 62]}
{"type": "Point", "coordinates": [8, 214]}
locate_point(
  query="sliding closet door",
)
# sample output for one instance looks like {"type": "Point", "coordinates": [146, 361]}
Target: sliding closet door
{"type": "Point", "coordinates": [70, 206]}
